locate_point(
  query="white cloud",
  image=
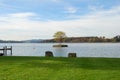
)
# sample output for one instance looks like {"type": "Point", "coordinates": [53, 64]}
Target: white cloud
{"type": "Point", "coordinates": [22, 15]}
{"type": "Point", "coordinates": [71, 10]}
{"type": "Point", "coordinates": [95, 8]}
{"type": "Point", "coordinates": [99, 23]}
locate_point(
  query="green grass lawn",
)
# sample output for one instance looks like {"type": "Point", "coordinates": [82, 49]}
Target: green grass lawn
{"type": "Point", "coordinates": [44, 68]}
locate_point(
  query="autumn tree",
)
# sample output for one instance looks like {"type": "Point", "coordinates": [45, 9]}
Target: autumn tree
{"type": "Point", "coordinates": [59, 36]}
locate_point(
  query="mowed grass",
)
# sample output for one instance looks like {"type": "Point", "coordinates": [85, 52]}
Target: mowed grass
{"type": "Point", "coordinates": [45, 68]}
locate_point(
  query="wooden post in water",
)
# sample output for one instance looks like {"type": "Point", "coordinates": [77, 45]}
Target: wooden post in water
{"type": "Point", "coordinates": [11, 50]}
{"type": "Point", "coordinates": [72, 55]}
{"type": "Point", "coordinates": [48, 54]}
{"type": "Point", "coordinates": [1, 52]}
{"type": "Point", "coordinates": [5, 51]}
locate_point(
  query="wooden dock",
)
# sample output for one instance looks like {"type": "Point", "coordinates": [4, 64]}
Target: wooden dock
{"type": "Point", "coordinates": [4, 50]}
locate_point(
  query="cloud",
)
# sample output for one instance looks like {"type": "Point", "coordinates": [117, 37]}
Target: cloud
{"type": "Point", "coordinates": [95, 8]}
{"type": "Point", "coordinates": [71, 10]}
{"type": "Point", "coordinates": [22, 15]}
{"type": "Point", "coordinates": [21, 26]}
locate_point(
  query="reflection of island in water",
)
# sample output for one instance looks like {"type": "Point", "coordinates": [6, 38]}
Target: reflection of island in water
{"type": "Point", "coordinates": [60, 51]}
{"type": "Point", "coordinates": [60, 45]}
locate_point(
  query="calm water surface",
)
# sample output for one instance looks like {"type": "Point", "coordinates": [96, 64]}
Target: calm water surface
{"type": "Point", "coordinates": [82, 49]}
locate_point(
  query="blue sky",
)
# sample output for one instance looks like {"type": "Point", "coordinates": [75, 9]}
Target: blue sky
{"type": "Point", "coordinates": [36, 19]}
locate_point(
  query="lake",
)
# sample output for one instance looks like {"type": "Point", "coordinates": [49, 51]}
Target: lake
{"type": "Point", "coordinates": [82, 49]}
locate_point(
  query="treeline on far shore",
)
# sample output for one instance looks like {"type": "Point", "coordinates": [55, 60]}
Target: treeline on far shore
{"type": "Point", "coordinates": [86, 39]}
{"type": "Point", "coordinates": [69, 40]}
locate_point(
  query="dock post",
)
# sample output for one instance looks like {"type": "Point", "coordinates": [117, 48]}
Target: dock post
{"type": "Point", "coordinates": [11, 50]}
{"type": "Point", "coordinates": [5, 51]}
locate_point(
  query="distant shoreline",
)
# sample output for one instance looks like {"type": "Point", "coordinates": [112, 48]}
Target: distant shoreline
{"type": "Point", "coordinates": [93, 39]}
{"type": "Point", "coordinates": [58, 43]}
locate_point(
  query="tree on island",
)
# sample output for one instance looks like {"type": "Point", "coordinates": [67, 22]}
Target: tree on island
{"type": "Point", "coordinates": [60, 36]}
{"type": "Point", "coordinates": [116, 38]}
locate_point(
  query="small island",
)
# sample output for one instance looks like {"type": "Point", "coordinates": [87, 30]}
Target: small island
{"type": "Point", "coordinates": [60, 38]}
{"type": "Point", "coordinates": [63, 45]}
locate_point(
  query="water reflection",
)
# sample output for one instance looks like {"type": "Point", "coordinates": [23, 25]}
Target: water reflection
{"type": "Point", "coordinates": [60, 51]}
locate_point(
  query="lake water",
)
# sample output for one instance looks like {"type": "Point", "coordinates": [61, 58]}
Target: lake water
{"type": "Point", "coordinates": [82, 49]}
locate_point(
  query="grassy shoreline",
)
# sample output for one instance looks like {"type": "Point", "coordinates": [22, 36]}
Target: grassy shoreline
{"type": "Point", "coordinates": [58, 68]}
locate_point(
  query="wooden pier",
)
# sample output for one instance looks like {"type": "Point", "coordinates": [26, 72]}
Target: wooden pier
{"type": "Point", "coordinates": [4, 50]}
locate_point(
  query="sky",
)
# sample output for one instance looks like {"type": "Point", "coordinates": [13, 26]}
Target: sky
{"type": "Point", "coordinates": [40, 19]}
